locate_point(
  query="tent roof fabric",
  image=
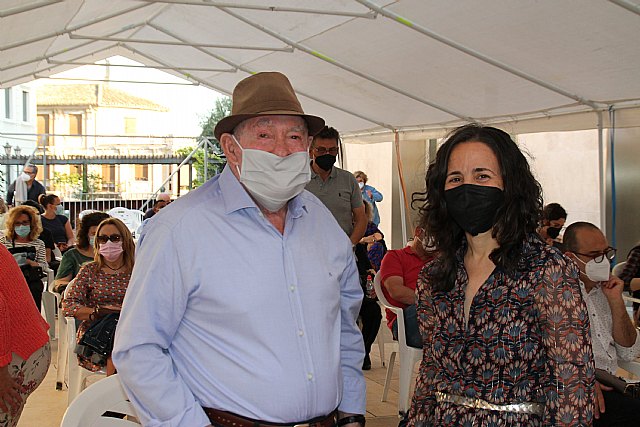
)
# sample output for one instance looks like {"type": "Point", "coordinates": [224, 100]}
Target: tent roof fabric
{"type": "Point", "coordinates": [97, 95]}
{"type": "Point", "coordinates": [363, 65]}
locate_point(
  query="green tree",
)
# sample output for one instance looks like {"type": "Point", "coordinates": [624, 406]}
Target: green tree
{"type": "Point", "coordinates": [72, 183]}
{"type": "Point", "coordinates": [215, 159]}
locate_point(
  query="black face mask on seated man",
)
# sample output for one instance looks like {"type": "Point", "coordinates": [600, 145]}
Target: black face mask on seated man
{"type": "Point", "coordinates": [325, 162]}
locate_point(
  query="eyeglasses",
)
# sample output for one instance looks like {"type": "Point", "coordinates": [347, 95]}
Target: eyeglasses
{"type": "Point", "coordinates": [321, 150]}
{"type": "Point", "coordinates": [115, 238]}
{"type": "Point", "coordinates": [610, 253]}
{"type": "Point", "coordinates": [17, 223]}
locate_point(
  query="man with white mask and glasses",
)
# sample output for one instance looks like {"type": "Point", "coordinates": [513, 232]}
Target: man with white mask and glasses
{"type": "Point", "coordinates": [241, 309]}
{"type": "Point", "coordinates": [613, 335]}
{"type": "Point", "coordinates": [25, 187]}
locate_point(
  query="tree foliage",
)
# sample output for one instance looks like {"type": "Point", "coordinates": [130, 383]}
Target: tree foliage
{"type": "Point", "coordinates": [215, 159]}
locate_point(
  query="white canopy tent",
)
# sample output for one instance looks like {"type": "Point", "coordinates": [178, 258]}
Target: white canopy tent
{"type": "Point", "coordinates": [370, 68]}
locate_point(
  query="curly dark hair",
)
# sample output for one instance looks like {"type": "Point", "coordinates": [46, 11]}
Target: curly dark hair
{"type": "Point", "coordinates": [553, 211]}
{"type": "Point", "coordinates": [515, 220]}
{"type": "Point", "coordinates": [89, 220]}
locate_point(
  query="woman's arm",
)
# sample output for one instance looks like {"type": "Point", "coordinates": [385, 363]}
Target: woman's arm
{"type": "Point", "coordinates": [424, 400]}
{"type": "Point", "coordinates": [41, 254]}
{"type": "Point", "coordinates": [69, 231]}
{"type": "Point", "coordinates": [76, 303]}
{"type": "Point", "coordinates": [564, 324]}
{"type": "Point", "coordinates": [376, 196]}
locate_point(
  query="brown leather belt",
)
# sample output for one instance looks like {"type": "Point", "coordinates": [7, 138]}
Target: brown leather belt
{"type": "Point", "coordinates": [227, 419]}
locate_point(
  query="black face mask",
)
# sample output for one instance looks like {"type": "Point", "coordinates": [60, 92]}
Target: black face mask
{"type": "Point", "coordinates": [553, 232]}
{"type": "Point", "coordinates": [474, 207]}
{"type": "Point", "coordinates": [325, 162]}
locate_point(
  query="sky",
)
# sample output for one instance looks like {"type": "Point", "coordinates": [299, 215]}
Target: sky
{"type": "Point", "coordinates": [188, 104]}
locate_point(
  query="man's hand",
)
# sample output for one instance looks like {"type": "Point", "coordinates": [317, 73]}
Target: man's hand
{"type": "Point", "coordinates": [369, 193]}
{"type": "Point", "coordinates": [612, 288]}
{"type": "Point", "coordinates": [599, 401]}
{"type": "Point", "coordinates": [10, 397]}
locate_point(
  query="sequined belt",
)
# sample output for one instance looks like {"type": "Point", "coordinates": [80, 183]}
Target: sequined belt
{"type": "Point", "coordinates": [520, 408]}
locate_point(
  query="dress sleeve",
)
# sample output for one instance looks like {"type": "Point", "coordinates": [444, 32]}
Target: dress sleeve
{"type": "Point", "coordinates": [566, 339]}
{"type": "Point", "coordinates": [76, 293]}
{"type": "Point", "coordinates": [41, 253]}
{"type": "Point", "coordinates": [424, 401]}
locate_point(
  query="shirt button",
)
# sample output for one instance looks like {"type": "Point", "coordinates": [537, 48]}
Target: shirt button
{"type": "Point", "coordinates": [300, 332]}
{"type": "Point", "coordinates": [292, 288]}
{"type": "Point", "coordinates": [310, 376]}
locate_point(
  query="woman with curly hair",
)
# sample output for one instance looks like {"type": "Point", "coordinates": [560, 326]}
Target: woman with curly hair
{"type": "Point", "coordinates": [505, 329]}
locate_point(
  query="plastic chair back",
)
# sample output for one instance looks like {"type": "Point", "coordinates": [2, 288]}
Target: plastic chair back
{"type": "Point", "coordinates": [105, 395]}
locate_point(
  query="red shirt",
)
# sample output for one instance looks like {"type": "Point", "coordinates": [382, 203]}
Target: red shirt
{"type": "Point", "coordinates": [404, 263]}
{"type": "Point", "coordinates": [22, 328]}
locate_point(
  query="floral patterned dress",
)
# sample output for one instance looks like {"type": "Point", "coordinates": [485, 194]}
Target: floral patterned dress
{"type": "Point", "coordinates": [93, 287]}
{"type": "Point", "coordinates": [527, 340]}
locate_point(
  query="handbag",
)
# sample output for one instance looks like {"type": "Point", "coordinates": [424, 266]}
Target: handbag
{"type": "Point", "coordinates": [97, 342]}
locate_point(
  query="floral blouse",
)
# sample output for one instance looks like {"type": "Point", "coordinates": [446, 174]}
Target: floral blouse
{"type": "Point", "coordinates": [92, 287]}
{"type": "Point", "coordinates": [527, 340]}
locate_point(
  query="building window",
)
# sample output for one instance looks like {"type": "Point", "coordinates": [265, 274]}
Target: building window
{"type": "Point", "coordinates": [130, 127]}
{"type": "Point", "coordinates": [142, 172]}
{"type": "Point", "coordinates": [75, 124]}
{"type": "Point", "coordinates": [25, 106]}
{"type": "Point", "coordinates": [109, 177]}
{"type": "Point", "coordinates": [7, 103]}
{"type": "Point", "coordinates": [43, 128]}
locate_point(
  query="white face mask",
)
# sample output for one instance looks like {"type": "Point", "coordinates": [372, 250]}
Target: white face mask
{"type": "Point", "coordinates": [273, 180]}
{"type": "Point", "coordinates": [361, 185]}
{"type": "Point", "coordinates": [597, 271]}
{"type": "Point", "coordinates": [25, 176]}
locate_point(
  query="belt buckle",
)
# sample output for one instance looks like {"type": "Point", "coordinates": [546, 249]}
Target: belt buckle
{"type": "Point", "coordinates": [302, 425]}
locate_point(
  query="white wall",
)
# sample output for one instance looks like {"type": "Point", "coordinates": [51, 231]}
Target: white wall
{"type": "Point", "coordinates": [566, 164]}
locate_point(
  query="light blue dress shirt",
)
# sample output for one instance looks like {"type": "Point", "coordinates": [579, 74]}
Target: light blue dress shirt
{"type": "Point", "coordinates": [223, 311]}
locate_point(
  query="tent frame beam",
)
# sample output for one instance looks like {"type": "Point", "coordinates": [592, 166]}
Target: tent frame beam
{"type": "Point", "coordinates": [157, 67]}
{"type": "Point", "coordinates": [344, 66]}
{"type": "Point", "coordinates": [478, 55]}
{"type": "Point", "coordinates": [77, 27]}
{"type": "Point", "coordinates": [367, 15]}
{"type": "Point", "coordinates": [20, 9]}
{"type": "Point", "coordinates": [178, 43]}
{"type": "Point", "coordinates": [626, 4]}
{"type": "Point", "coordinates": [249, 71]}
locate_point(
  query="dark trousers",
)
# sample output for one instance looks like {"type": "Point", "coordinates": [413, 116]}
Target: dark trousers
{"type": "Point", "coordinates": [36, 287]}
{"type": "Point", "coordinates": [620, 411]}
{"type": "Point", "coordinates": [411, 330]}
{"type": "Point", "coordinates": [371, 316]}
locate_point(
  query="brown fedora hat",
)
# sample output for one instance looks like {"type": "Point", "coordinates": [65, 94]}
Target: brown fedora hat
{"type": "Point", "coordinates": [262, 94]}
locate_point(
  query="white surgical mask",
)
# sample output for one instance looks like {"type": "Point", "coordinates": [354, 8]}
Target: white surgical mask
{"type": "Point", "coordinates": [24, 176]}
{"type": "Point", "coordinates": [273, 180]}
{"type": "Point", "coordinates": [59, 210]}
{"type": "Point", "coordinates": [597, 271]}
{"type": "Point", "coordinates": [361, 185]}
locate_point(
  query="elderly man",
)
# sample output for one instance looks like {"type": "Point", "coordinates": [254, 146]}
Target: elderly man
{"type": "Point", "coordinates": [162, 200]}
{"type": "Point", "coordinates": [241, 309]}
{"type": "Point", "coordinates": [613, 335]}
{"type": "Point", "coordinates": [33, 187]}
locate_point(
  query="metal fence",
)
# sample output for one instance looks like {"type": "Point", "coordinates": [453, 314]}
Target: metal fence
{"type": "Point", "coordinates": [104, 202]}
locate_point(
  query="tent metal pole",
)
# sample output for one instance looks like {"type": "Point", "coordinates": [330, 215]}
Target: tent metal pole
{"type": "Point", "coordinates": [482, 57]}
{"type": "Point", "coordinates": [214, 3]}
{"type": "Point", "coordinates": [626, 4]}
{"type": "Point", "coordinates": [177, 43]}
{"type": "Point", "coordinates": [249, 71]}
{"type": "Point", "coordinates": [119, 81]}
{"type": "Point", "coordinates": [403, 190]}
{"type": "Point", "coordinates": [76, 27]}
{"type": "Point", "coordinates": [602, 173]}
{"type": "Point", "coordinates": [157, 67]}
{"type": "Point", "coordinates": [26, 8]}
{"type": "Point", "coordinates": [345, 67]}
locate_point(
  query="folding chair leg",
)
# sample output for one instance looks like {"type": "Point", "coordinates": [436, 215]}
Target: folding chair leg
{"type": "Point", "coordinates": [387, 380]}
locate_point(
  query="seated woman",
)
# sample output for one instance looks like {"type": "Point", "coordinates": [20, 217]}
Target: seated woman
{"type": "Point", "coordinates": [631, 277]}
{"type": "Point", "coordinates": [20, 237]}
{"type": "Point", "coordinates": [54, 221]}
{"type": "Point", "coordinates": [99, 287]}
{"type": "Point", "coordinates": [25, 353]}
{"type": "Point", "coordinates": [82, 253]}
{"type": "Point", "coordinates": [374, 239]}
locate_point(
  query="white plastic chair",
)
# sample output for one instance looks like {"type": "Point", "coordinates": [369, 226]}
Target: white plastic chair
{"type": "Point", "coordinates": [409, 356]}
{"type": "Point", "coordinates": [384, 337]}
{"type": "Point", "coordinates": [49, 304]}
{"type": "Point", "coordinates": [77, 374]}
{"type": "Point", "coordinates": [631, 367]}
{"type": "Point", "coordinates": [130, 217]}
{"type": "Point", "coordinates": [104, 395]}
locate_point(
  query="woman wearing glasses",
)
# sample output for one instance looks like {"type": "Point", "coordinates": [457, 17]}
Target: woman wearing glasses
{"type": "Point", "coordinates": [99, 287]}
{"type": "Point", "coordinates": [504, 326]}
